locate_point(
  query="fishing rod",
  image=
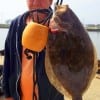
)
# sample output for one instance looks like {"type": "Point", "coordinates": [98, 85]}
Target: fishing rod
{"type": "Point", "coordinates": [59, 2]}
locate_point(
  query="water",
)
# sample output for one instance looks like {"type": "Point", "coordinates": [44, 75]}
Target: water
{"type": "Point", "coordinates": [3, 34]}
{"type": "Point", "coordinates": [95, 37]}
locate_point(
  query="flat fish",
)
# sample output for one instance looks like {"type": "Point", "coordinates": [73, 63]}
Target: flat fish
{"type": "Point", "coordinates": [71, 60]}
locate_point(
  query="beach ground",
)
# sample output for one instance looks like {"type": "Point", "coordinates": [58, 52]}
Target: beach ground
{"type": "Point", "coordinates": [93, 93]}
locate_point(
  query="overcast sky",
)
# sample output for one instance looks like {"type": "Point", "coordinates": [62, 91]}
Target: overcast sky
{"type": "Point", "coordinates": [88, 11]}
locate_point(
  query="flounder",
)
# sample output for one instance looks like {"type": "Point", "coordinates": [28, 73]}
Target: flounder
{"type": "Point", "coordinates": [71, 61]}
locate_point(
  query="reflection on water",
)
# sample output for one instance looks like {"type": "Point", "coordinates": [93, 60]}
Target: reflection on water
{"type": "Point", "coordinates": [95, 37]}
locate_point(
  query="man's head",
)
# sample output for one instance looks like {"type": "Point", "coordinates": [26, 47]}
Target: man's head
{"type": "Point", "coordinates": [35, 4]}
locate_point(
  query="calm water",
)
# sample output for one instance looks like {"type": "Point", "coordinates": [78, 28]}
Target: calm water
{"type": "Point", "coordinates": [95, 37]}
{"type": "Point", "coordinates": [3, 34]}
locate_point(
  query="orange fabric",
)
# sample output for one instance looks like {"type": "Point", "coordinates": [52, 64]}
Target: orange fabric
{"type": "Point", "coordinates": [35, 36]}
{"type": "Point", "coordinates": [27, 78]}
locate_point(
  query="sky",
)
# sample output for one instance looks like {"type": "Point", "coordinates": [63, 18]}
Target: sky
{"type": "Point", "coordinates": [88, 11]}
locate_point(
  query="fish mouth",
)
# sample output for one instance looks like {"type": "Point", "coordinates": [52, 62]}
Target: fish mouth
{"type": "Point", "coordinates": [54, 30]}
{"type": "Point", "coordinates": [54, 27]}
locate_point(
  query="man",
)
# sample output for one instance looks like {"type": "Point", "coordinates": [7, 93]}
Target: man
{"type": "Point", "coordinates": [18, 73]}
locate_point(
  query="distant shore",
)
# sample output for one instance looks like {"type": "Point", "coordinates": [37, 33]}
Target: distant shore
{"type": "Point", "coordinates": [87, 27]}
{"type": "Point", "coordinates": [96, 30]}
{"type": "Point", "coordinates": [4, 25]}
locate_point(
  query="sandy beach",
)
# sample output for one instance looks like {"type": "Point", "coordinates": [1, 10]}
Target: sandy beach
{"type": "Point", "coordinates": [1, 60]}
{"type": "Point", "coordinates": [93, 93]}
